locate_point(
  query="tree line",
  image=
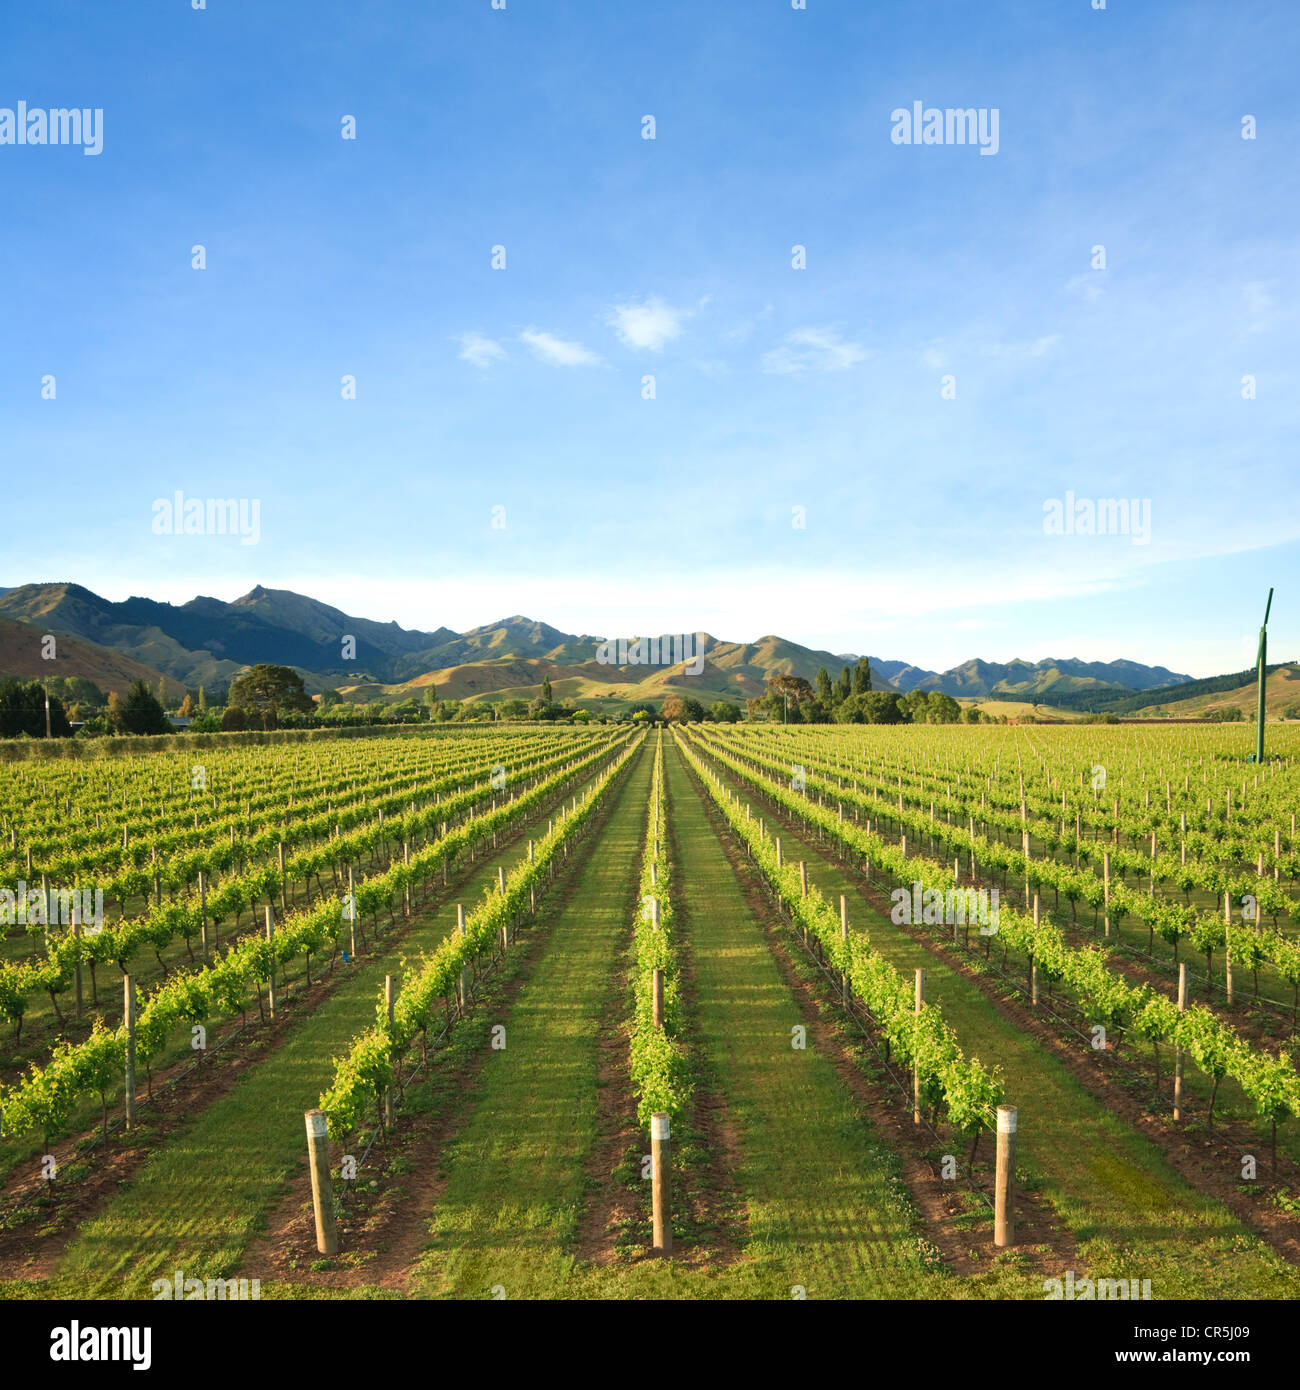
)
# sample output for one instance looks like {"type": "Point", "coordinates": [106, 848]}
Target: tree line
{"type": "Point", "coordinates": [850, 699]}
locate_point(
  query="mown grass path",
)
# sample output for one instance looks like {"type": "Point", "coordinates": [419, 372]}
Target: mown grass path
{"type": "Point", "coordinates": [1132, 1214]}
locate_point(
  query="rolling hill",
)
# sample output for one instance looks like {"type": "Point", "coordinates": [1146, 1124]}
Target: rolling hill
{"type": "Point", "coordinates": [1281, 692]}
{"type": "Point", "coordinates": [21, 646]}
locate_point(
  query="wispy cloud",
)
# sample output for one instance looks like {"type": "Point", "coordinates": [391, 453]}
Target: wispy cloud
{"type": "Point", "coordinates": [1090, 286]}
{"type": "Point", "coordinates": [1037, 347]}
{"type": "Point", "coordinates": [648, 325]}
{"type": "Point", "coordinates": [934, 356]}
{"type": "Point", "coordinates": [480, 351]}
{"type": "Point", "coordinates": [813, 350]}
{"type": "Point", "coordinates": [556, 352]}
{"type": "Point", "coordinates": [743, 331]}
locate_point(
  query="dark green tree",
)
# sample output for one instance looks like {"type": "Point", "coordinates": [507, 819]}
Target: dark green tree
{"type": "Point", "coordinates": [824, 687]}
{"type": "Point", "coordinates": [844, 686]}
{"type": "Point", "coordinates": [22, 711]}
{"type": "Point", "coordinates": [862, 677]}
{"type": "Point", "coordinates": [269, 689]}
{"type": "Point", "coordinates": [916, 703]}
{"type": "Point", "coordinates": [942, 709]}
{"type": "Point", "coordinates": [873, 707]}
{"type": "Point", "coordinates": [142, 712]}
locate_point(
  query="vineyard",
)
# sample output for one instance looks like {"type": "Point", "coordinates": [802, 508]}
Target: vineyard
{"type": "Point", "coordinates": [721, 1011]}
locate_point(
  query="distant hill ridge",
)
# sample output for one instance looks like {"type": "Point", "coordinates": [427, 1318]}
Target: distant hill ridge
{"type": "Point", "coordinates": [208, 641]}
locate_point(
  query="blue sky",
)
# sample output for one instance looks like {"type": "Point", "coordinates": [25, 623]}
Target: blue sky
{"type": "Point", "coordinates": [775, 388]}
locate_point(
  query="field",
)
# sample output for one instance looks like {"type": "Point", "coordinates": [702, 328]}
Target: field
{"type": "Point", "coordinates": [496, 960]}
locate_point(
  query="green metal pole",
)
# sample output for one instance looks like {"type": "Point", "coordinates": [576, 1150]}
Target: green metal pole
{"type": "Point", "coordinates": [1263, 663]}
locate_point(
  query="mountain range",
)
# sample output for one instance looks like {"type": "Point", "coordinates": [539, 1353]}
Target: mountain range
{"type": "Point", "coordinates": [208, 641]}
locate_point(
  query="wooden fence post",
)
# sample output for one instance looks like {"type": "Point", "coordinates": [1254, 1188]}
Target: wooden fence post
{"type": "Point", "coordinates": [1105, 889]}
{"type": "Point", "coordinates": [128, 1018]}
{"type": "Point", "coordinates": [464, 969]}
{"type": "Point", "coordinates": [657, 997]}
{"type": "Point", "coordinates": [1178, 1051]}
{"type": "Point", "coordinates": [352, 911]}
{"type": "Point", "coordinates": [1227, 943]}
{"type": "Point", "coordinates": [322, 1190]}
{"type": "Point", "coordinates": [76, 932]}
{"type": "Point", "coordinates": [1004, 1191]}
{"type": "Point", "coordinates": [270, 941]}
{"type": "Point", "coordinates": [661, 1195]}
{"type": "Point", "coordinates": [916, 1070]}
{"type": "Point", "coordinates": [844, 936]}
{"type": "Point", "coordinates": [390, 1000]}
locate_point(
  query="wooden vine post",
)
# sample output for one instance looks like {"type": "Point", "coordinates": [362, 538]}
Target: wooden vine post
{"type": "Point", "coordinates": [352, 912]}
{"type": "Point", "coordinates": [1227, 943]}
{"type": "Point", "coordinates": [128, 1019]}
{"type": "Point", "coordinates": [661, 1197]}
{"type": "Point", "coordinates": [1004, 1189]}
{"type": "Point", "coordinates": [322, 1190]}
{"type": "Point", "coordinates": [390, 1000]}
{"type": "Point", "coordinates": [1178, 1051]}
{"type": "Point", "coordinates": [844, 936]}
{"type": "Point", "coordinates": [270, 941]}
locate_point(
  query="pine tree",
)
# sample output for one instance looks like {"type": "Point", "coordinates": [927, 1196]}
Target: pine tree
{"type": "Point", "coordinates": [862, 677]}
{"type": "Point", "coordinates": [844, 686]}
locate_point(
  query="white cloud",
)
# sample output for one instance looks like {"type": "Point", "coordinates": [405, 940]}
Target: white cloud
{"type": "Point", "coordinates": [649, 325]}
{"type": "Point", "coordinates": [480, 351]}
{"type": "Point", "coordinates": [555, 351]}
{"type": "Point", "coordinates": [813, 349]}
